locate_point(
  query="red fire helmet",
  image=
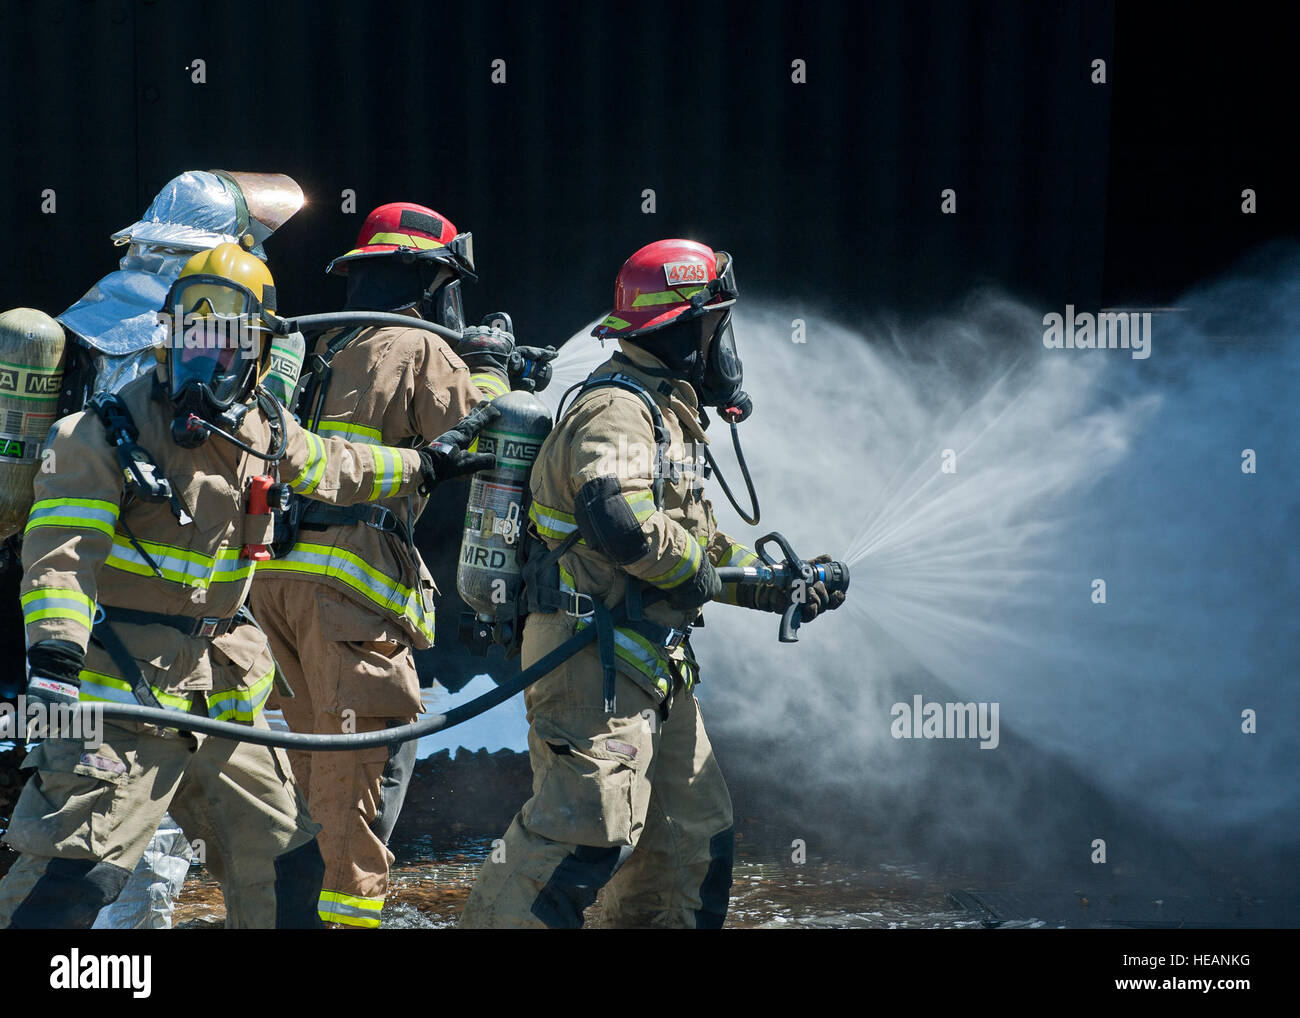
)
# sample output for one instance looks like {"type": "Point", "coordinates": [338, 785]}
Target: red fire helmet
{"type": "Point", "coordinates": [415, 231]}
{"type": "Point", "coordinates": [664, 281]}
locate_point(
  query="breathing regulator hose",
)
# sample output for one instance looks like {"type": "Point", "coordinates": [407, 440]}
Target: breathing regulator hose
{"type": "Point", "coordinates": [767, 572]}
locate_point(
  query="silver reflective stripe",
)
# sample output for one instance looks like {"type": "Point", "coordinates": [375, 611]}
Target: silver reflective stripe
{"type": "Point", "coordinates": [65, 513]}
{"type": "Point", "coordinates": [94, 691]}
{"type": "Point", "coordinates": [553, 523]}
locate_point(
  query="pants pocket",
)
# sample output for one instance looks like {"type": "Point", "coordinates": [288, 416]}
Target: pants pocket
{"type": "Point", "coordinates": [71, 806]}
{"type": "Point", "coordinates": [583, 798]}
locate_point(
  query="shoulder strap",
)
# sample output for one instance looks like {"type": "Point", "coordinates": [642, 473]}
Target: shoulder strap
{"type": "Point", "coordinates": [662, 438]}
{"type": "Point", "coordinates": [314, 389]}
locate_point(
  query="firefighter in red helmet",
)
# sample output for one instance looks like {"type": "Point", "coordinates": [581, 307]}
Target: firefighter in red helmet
{"type": "Point", "coordinates": [349, 603]}
{"type": "Point", "coordinates": [627, 792]}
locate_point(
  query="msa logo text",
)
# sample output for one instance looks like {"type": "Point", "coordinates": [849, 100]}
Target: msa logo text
{"type": "Point", "coordinates": [519, 450]}
{"type": "Point", "coordinates": [33, 383]}
{"type": "Point", "coordinates": [42, 385]}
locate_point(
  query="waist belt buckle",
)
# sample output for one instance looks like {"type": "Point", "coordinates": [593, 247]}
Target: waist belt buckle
{"type": "Point", "coordinates": [208, 626]}
{"type": "Point", "coordinates": [575, 601]}
{"type": "Point", "coordinates": [381, 519]}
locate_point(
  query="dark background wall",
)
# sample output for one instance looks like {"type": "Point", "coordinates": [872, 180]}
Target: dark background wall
{"type": "Point", "coordinates": [828, 192]}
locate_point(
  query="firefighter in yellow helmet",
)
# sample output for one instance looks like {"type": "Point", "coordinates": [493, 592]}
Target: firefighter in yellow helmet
{"type": "Point", "coordinates": [627, 794]}
{"type": "Point", "coordinates": [346, 607]}
{"type": "Point", "coordinates": [138, 555]}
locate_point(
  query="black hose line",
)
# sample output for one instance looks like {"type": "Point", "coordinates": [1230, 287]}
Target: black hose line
{"type": "Point", "coordinates": [358, 740]}
{"type": "Point", "coordinates": [389, 736]}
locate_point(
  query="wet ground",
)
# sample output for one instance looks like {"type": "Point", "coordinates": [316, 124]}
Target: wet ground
{"type": "Point", "coordinates": [428, 893]}
{"type": "Point", "coordinates": [457, 805]}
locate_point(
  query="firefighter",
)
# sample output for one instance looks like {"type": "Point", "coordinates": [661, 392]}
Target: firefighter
{"type": "Point", "coordinates": [627, 793]}
{"type": "Point", "coordinates": [346, 607]}
{"type": "Point", "coordinates": [138, 555]}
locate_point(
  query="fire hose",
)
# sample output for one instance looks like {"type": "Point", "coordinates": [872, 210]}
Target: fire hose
{"type": "Point", "coordinates": [792, 575]}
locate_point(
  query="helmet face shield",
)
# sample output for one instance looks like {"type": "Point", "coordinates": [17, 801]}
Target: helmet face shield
{"type": "Point", "coordinates": [462, 251]}
{"type": "Point", "coordinates": [216, 338]}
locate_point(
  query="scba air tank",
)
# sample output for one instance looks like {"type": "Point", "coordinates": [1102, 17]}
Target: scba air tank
{"type": "Point", "coordinates": [488, 576]}
{"type": "Point", "coordinates": [31, 371]}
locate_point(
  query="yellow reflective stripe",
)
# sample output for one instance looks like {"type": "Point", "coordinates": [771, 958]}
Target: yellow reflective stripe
{"type": "Point", "coordinates": [349, 909]}
{"type": "Point", "coordinates": [396, 459]}
{"type": "Point", "coordinates": [737, 555]}
{"type": "Point", "coordinates": [180, 565]}
{"type": "Point", "coordinates": [359, 433]}
{"type": "Point", "coordinates": [58, 603]}
{"type": "Point", "coordinates": [638, 652]}
{"type": "Point", "coordinates": [489, 384]}
{"type": "Point", "coordinates": [681, 570]}
{"type": "Point", "coordinates": [405, 240]}
{"type": "Point", "coordinates": [241, 705]}
{"type": "Point", "coordinates": [642, 504]}
{"type": "Point", "coordinates": [314, 469]}
{"type": "Point", "coordinates": [342, 565]}
{"type": "Point", "coordinates": [388, 471]}
{"type": "Point", "coordinates": [553, 523]}
{"type": "Point", "coordinates": [83, 513]}
{"type": "Point", "coordinates": [614, 322]}
{"type": "Point", "coordinates": [102, 688]}
{"type": "Point", "coordinates": [677, 296]}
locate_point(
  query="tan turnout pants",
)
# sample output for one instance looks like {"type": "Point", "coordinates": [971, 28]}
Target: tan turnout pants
{"type": "Point", "coordinates": [86, 815]}
{"type": "Point", "coordinates": [631, 801]}
{"type": "Point", "coordinates": [351, 672]}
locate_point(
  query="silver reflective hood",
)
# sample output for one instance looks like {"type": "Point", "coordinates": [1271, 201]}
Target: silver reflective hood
{"type": "Point", "coordinates": [195, 212]}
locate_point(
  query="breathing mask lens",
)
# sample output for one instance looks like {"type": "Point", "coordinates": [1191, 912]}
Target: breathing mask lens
{"type": "Point", "coordinates": [215, 341]}
{"type": "Point", "coordinates": [723, 372]}
{"type": "Point", "coordinates": [447, 309]}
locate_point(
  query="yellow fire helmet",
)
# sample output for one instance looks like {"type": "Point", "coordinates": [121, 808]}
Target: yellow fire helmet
{"type": "Point", "coordinates": [218, 326]}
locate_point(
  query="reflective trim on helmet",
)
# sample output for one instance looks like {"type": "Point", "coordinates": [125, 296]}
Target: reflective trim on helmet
{"type": "Point", "coordinates": [313, 471]}
{"type": "Point", "coordinates": [80, 513]}
{"type": "Point", "coordinates": [678, 296]}
{"type": "Point", "coordinates": [58, 603]}
{"type": "Point", "coordinates": [401, 240]}
{"type": "Point", "coordinates": [614, 322]}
